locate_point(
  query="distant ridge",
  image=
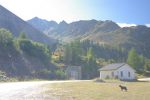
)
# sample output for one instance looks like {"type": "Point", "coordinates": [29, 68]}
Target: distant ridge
{"type": "Point", "coordinates": [42, 24]}
{"type": "Point", "coordinates": [16, 25]}
{"type": "Point", "coordinates": [102, 32]}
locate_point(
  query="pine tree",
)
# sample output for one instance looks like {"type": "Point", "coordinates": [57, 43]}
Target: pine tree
{"type": "Point", "coordinates": [134, 60]}
{"type": "Point", "coordinates": [67, 54]}
{"type": "Point", "coordinates": [22, 35]}
{"type": "Point", "coordinates": [90, 68]}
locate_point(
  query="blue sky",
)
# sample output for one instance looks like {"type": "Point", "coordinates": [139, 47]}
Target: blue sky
{"type": "Point", "coordinates": [124, 11]}
{"type": "Point", "coordinates": [120, 11]}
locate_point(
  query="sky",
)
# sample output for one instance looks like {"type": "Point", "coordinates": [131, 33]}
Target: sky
{"type": "Point", "coordinates": [124, 12]}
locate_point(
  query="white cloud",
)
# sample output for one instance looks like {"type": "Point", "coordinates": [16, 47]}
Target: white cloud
{"type": "Point", "coordinates": [126, 24]}
{"type": "Point", "coordinates": [148, 25]}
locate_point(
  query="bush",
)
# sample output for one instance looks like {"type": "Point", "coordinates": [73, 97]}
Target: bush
{"type": "Point", "coordinates": [35, 49]}
{"type": "Point", "coordinates": [44, 74]}
{"type": "Point", "coordinates": [3, 77]}
{"type": "Point", "coordinates": [60, 74]}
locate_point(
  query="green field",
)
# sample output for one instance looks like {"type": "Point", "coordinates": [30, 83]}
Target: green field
{"type": "Point", "coordinates": [89, 90]}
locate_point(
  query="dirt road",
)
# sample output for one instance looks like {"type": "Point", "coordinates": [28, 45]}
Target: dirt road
{"type": "Point", "coordinates": [26, 90]}
{"type": "Point", "coordinates": [144, 79]}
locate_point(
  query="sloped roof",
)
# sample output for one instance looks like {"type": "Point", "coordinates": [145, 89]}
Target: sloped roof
{"type": "Point", "coordinates": [112, 66]}
{"type": "Point", "coordinates": [75, 68]}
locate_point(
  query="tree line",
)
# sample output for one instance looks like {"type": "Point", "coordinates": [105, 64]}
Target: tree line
{"type": "Point", "coordinates": [92, 56]}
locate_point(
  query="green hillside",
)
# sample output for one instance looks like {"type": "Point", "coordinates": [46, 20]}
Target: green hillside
{"type": "Point", "coordinates": [23, 58]}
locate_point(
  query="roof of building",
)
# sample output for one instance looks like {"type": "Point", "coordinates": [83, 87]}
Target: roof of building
{"type": "Point", "coordinates": [113, 66]}
{"type": "Point", "coordinates": [73, 68]}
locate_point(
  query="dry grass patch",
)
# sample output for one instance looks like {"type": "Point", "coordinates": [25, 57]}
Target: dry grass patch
{"type": "Point", "coordinates": [99, 91]}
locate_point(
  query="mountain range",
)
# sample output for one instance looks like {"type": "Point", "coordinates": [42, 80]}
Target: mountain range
{"type": "Point", "coordinates": [102, 32]}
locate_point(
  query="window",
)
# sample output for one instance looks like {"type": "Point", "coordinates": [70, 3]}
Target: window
{"type": "Point", "coordinates": [129, 74]}
{"type": "Point", "coordinates": [107, 77]}
{"type": "Point", "coordinates": [121, 73]}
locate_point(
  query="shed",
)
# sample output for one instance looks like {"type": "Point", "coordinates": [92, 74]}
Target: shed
{"type": "Point", "coordinates": [73, 72]}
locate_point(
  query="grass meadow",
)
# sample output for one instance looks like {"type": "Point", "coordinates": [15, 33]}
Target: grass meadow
{"type": "Point", "coordinates": [90, 90]}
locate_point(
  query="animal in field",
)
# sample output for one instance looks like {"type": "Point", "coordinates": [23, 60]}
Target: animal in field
{"type": "Point", "coordinates": [123, 88]}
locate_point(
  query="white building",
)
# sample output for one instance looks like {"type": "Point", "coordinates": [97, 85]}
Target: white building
{"type": "Point", "coordinates": [121, 71]}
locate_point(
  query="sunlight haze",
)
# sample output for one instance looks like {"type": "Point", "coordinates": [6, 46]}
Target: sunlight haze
{"type": "Point", "coordinates": [130, 12]}
{"type": "Point", "coordinates": [57, 10]}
